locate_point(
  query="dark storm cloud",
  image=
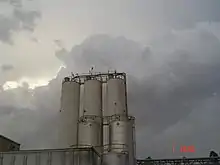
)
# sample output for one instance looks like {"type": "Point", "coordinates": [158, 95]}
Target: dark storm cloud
{"type": "Point", "coordinates": [144, 20]}
{"type": "Point", "coordinates": [174, 88]}
{"type": "Point", "coordinates": [25, 115]}
{"type": "Point", "coordinates": [181, 83]}
{"type": "Point", "coordinates": [165, 89]}
{"type": "Point", "coordinates": [186, 13]}
{"type": "Point", "coordinates": [177, 14]}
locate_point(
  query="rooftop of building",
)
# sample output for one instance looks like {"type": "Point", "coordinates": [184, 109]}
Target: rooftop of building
{"type": "Point", "coordinates": [3, 137]}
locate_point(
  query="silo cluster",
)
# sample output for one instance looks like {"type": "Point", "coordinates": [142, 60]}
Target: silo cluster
{"type": "Point", "coordinates": [94, 113]}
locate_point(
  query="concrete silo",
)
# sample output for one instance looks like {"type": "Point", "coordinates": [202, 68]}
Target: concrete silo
{"type": "Point", "coordinates": [69, 112]}
{"type": "Point", "coordinates": [116, 96]}
{"type": "Point", "coordinates": [92, 102]}
{"type": "Point", "coordinates": [115, 159]}
{"type": "Point", "coordinates": [114, 103]}
{"type": "Point", "coordinates": [103, 120]}
{"type": "Point", "coordinates": [89, 132]}
{"type": "Point", "coordinates": [90, 121]}
{"type": "Point", "coordinates": [119, 131]}
{"type": "Point", "coordinates": [122, 138]}
{"type": "Point", "coordinates": [120, 125]}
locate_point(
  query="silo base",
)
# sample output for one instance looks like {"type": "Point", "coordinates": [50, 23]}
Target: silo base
{"type": "Point", "coordinates": [113, 158]}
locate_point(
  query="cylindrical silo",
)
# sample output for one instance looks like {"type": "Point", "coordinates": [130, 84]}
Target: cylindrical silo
{"type": "Point", "coordinates": [69, 113]}
{"type": "Point", "coordinates": [92, 104]}
{"type": "Point", "coordinates": [116, 96]}
{"type": "Point", "coordinates": [90, 132]}
{"type": "Point", "coordinates": [113, 158]}
{"type": "Point", "coordinates": [121, 134]}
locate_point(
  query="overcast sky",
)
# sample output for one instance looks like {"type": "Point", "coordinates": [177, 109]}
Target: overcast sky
{"type": "Point", "coordinates": [170, 50]}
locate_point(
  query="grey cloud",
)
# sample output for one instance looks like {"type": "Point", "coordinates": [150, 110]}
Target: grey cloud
{"type": "Point", "coordinates": [16, 3]}
{"type": "Point", "coordinates": [186, 13]}
{"type": "Point", "coordinates": [25, 115]}
{"type": "Point", "coordinates": [176, 87]}
{"type": "Point", "coordinates": [142, 20]}
{"type": "Point", "coordinates": [27, 18]}
{"type": "Point", "coordinates": [180, 14]}
{"type": "Point", "coordinates": [7, 67]}
{"type": "Point", "coordinates": [62, 54]}
{"type": "Point", "coordinates": [58, 43]}
{"type": "Point", "coordinates": [20, 20]}
{"type": "Point", "coordinates": [6, 27]}
{"type": "Point", "coordinates": [34, 39]}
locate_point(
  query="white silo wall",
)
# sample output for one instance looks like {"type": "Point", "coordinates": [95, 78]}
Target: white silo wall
{"type": "Point", "coordinates": [116, 98]}
{"type": "Point", "coordinates": [122, 138]}
{"type": "Point", "coordinates": [112, 158]}
{"type": "Point", "coordinates": [89, 132]}
{"type": "Point", "coordinates": [92, 102]}
{"type": "Point", "coordinates": [69, 114]}
{"type": "Point", "coordinates": [119, 134]}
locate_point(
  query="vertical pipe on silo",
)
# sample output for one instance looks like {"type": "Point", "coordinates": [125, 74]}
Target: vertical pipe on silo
{"type": "Point", "coordinates": [81, 100]}
{"type": "Point", "coordinates": [105, 122]}
{"type": "Point", "coordinates": [104, 99]}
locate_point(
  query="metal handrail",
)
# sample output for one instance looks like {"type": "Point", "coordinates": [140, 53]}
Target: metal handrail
{"type": "Point", "coordinates": [187, 161]}
{"type": "Point", "coordinates": [101, 77]}
{"type": "Point", "coordinates": [108, 119]}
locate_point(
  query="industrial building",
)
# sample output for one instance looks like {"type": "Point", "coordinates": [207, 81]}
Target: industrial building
{"type": "Point", "coordinates": [7, 144]}
{"type": "Point", "coordinates": [94, 127]}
